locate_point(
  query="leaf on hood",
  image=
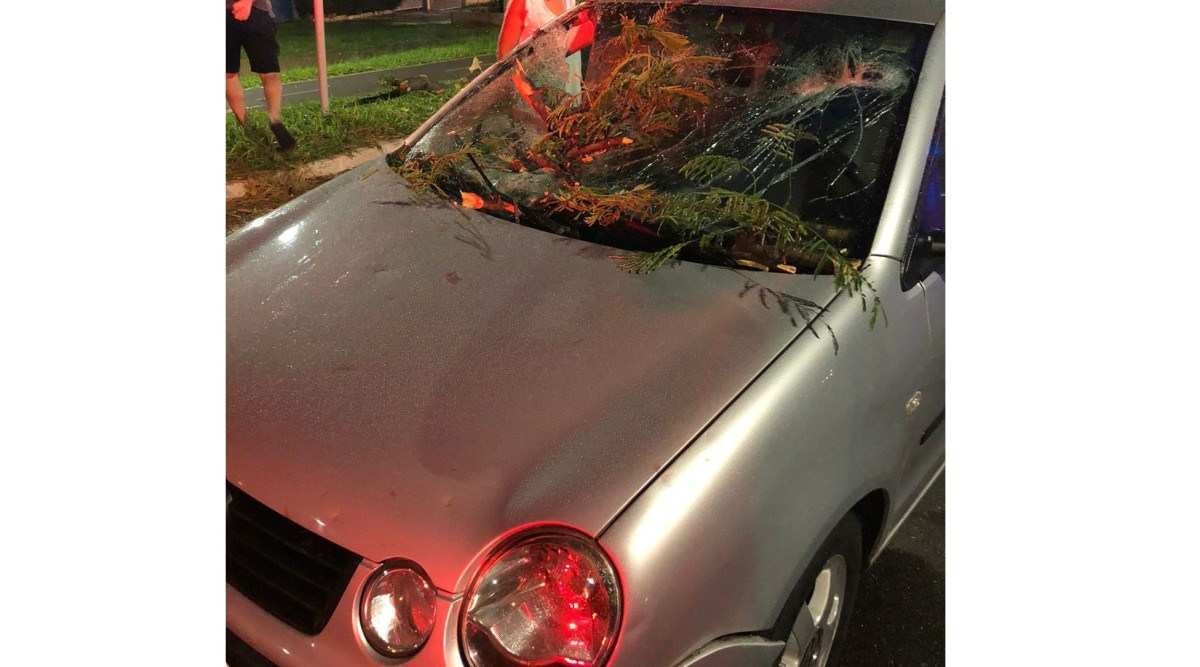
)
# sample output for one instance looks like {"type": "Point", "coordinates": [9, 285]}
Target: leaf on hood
{"type": "Point", "coordinates": [471, 200]}
{"type": "Point", "coordinates": [687, 92]}
{"type": "Point", "coordinates": [673, 42]}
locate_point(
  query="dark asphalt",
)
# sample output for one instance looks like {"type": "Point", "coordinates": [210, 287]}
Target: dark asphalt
{"type": "Point", "coordinates": [365, 83]}
{"type": "Point", "coordinates": [899, 618]}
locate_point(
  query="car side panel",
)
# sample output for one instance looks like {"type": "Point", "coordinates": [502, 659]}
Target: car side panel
{"type": "Point", "coordinates": [922, 408]}
{"type": "Point", "coordinates": [930, 452]}
{"type": "Point", "coordinates": [935, 296]}
{"type": "Point", "coordinates": [716, 543]}
{"type": "Point", "coordinates": [736, 652]}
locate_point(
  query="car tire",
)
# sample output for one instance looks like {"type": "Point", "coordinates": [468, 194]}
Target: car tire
{"type": "Point", "coordinates": [823, 600]}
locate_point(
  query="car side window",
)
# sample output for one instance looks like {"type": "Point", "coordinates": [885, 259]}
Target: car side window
{"type": "Point", "coordinates": [927, 234]}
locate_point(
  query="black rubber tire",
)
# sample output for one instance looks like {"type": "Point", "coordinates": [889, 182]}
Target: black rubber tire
{"type": "Point", "coordinates": [845, 539]}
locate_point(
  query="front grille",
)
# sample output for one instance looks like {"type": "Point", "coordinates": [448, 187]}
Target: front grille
{"type": "Point", "coordinates": [240, 654]}
{"type": "Point", "coordinates": [295, 574]}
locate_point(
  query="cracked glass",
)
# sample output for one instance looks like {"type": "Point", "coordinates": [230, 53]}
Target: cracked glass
{"type": "Point", "coordinates": [731, 136]}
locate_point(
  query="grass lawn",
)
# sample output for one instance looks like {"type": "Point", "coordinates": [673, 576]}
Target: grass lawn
{"type": "Point", "coordinates": [348, 126]}
{"type": "Point", "coordinates": [362, 46]}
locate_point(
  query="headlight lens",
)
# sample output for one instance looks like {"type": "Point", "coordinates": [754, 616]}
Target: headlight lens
{"type": "Point", "coordinates": [549, 598]}
{"type": "Point", "coordinates": [397, 609]}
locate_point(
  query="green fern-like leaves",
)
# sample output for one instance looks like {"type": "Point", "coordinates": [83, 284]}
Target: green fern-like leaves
{"type": "Point", "coordinates": [646, 262]}
{"type": "Point", "coordinates": [657, 88]}
{"type": "Point", "coordinates": [592, 207]}
{"type": "Point", "coordinates": [708, 169]}
{"type": "Point", "coordinates": [780, 139]}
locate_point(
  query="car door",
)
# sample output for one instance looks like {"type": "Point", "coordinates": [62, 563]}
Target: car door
{"type": "Point", "coordinates": [925, 270]}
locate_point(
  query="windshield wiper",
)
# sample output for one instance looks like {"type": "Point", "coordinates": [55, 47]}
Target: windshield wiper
{"type": "Point", "coordinates": [486, 181]}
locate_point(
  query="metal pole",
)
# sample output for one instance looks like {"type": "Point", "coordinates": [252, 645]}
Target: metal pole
{"type": "Point", "coordinates": [322, 75]}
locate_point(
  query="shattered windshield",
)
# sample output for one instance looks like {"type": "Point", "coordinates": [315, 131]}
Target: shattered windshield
{"type": "Point", "coordinates": [738, 137]}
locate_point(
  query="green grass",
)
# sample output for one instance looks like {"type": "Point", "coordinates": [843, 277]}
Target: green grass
{"type": "Point", "coordinates": [348, 126]}
{"type": "Point", "coordinates": [362, 46]}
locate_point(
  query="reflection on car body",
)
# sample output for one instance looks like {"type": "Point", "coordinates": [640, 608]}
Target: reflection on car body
{"type": "Point", "coordinates": [456, 440]}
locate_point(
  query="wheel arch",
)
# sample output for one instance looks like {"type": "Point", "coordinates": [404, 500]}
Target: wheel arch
{"type": "Point", "coordinates": [871, 512]}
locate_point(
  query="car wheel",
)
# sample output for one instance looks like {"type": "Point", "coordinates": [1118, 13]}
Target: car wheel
{"type": "Point", "coordinates": [830, 583]}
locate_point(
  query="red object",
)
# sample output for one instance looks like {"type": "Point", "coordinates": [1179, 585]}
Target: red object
{"type": "Point", "coordinates": [548, 600]}
{"type": "Point", "coordinates": [241, 9]}
{"type": "Point", "coordinates": [471, 200]}
{"type": "Point", "coordinates": [598, 147]}
{"type": "Point", "coordinates": [584, 32]}
{"type": "Point", "coordinates": [528, 92]}
{"type": "Point", "coordinates": [322, 71]}
{"type": "Point", "coordinates": [522, 19]}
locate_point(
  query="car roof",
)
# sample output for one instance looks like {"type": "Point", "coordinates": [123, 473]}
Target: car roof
{"type": "Point", "coordinates": [908, 11]}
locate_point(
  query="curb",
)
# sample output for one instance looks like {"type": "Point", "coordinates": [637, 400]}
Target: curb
{"type": "Point", "coordinates": [331, 166]}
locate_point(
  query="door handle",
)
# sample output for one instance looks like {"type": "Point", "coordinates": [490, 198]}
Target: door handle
{"type": "Point", "coordinates": [913, 404]}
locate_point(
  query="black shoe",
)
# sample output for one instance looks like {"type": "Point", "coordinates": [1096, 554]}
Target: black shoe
{"type": "Point", "coordinates": [285, 139]}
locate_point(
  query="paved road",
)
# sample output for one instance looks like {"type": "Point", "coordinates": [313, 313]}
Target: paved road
{"type": "Point", "coordinates": [365, 83]}
{"type": "Point", "coordinates": [899, 618]}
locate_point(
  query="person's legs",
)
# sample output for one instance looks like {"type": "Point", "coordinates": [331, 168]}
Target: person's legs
{"type": "Point", "coordinates": [273, 92]}
{"type": "Point", "coordinates": [235, 97]}
{"type": "Point", "coordinates": [233, 63]}
{"type": "Point", "coordinates": [262, 49]}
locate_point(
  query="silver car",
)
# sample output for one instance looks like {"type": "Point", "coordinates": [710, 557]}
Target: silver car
{"type": "Point", "coordinates": [505, 399]}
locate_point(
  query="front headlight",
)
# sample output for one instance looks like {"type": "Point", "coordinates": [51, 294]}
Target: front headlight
{"type": "Point", "coordinates": [549, 597]}
{"type": "Point", "coordinates": [397, 609]}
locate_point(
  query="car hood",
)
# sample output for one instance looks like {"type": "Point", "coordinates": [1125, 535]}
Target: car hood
{"type": "Point", "coordinates": [410, 379]}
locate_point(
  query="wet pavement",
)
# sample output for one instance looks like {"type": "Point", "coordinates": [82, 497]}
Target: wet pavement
{"type": "Point", "coordinates": [899, 618]}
